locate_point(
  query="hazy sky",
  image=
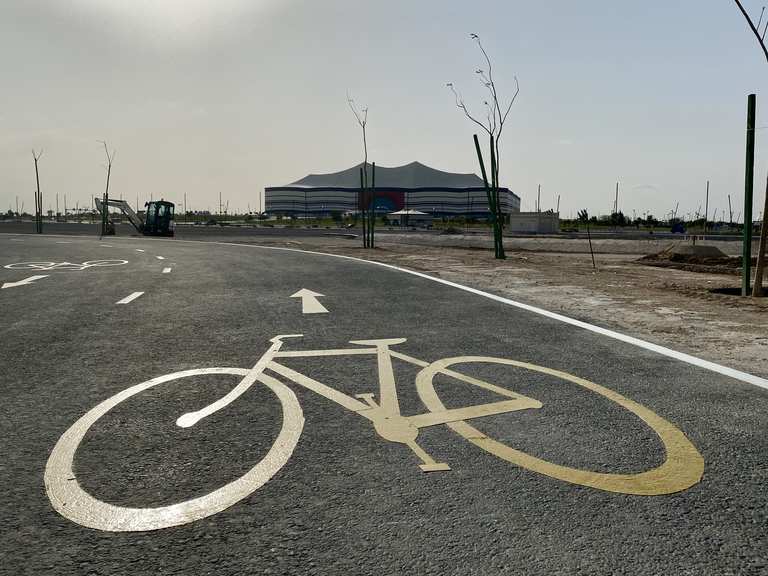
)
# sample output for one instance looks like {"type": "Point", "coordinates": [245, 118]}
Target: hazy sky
{"type": "Point", "coordinates": [209, 96]}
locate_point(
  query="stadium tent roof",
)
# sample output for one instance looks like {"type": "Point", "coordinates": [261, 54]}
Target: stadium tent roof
{"type": "Point", "coordinates": [413, 175]}
{"type": "Point", "coordinates": [408, 213]}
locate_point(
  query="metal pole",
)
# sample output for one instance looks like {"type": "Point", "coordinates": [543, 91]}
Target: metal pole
{"type": "Point", "coordinates": [538, 200]}
{"type": "Point", "coordinates": [749, 176]}
{"type": "Point", "coordinates": [373, 205]}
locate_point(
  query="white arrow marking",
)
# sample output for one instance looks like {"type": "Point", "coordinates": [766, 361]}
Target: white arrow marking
{"type": "Point", "coordinates": [309, 302]}
{"type": "Point", "coordinates": [22, 282]}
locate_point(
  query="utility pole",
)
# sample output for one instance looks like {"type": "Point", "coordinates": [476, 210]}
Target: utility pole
{"type": "Point", "coordinates": [558, 204]}
{"type": "Point", "coordinates": [186, 209]}
{"type": "Point", "coordinates": [538, 200]}
{"type": "Point", "coordinates": [616, 200]}
{"type": "Point", "coordinates": [220, 205]}
{"type": "Point", "coordinates": [57, 206]}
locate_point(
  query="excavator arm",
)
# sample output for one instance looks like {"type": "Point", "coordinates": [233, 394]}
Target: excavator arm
{"type": "Point", "coordinates": [126, 209]}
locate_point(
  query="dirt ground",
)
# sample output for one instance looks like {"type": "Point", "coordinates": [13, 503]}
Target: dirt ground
{"type": "Point", "coordinates": [671, 307]}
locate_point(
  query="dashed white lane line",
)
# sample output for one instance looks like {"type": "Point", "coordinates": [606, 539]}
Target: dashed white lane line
{"type": "Point", "coordinates": [160, 257]}
{"type": "Point", "coordinates": [129, 298]}
{"type": "Point", "coordinates": [63, 242]}
{"type": "Point", "coordinates": [166, 270]}
{"type": "Point", "coordinates": [16, 240]}
{"type": "Point", "coordinates": [139, 250]}
{"type": "Point", "coordinates": [106, 245]}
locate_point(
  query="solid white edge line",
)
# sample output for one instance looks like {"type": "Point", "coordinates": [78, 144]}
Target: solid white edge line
{"type": "Point", "coordinates": [681, 356]}
{"type": "Point", "coordinates": [129, 298]}
{"type": "Point", "coordinates": [664, 351]}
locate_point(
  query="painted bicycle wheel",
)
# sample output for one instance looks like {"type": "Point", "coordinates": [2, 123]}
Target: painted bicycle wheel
{"type": "Point", "coordinates": [71, 501]}
{"type": "Point", "coordinates": [683, 467]}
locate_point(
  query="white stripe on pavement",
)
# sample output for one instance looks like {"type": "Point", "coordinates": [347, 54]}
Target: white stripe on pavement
{"type": "Point", "coordinates": [663, 350]}
{"type": "Point", "coordinates": [139, 250]}
{"type": "Point", "coordinates": [166, 270]}
{"type": "Point", "coordinates": [129, 298]}
{"type": "Point", "coordinates": [160, 257]}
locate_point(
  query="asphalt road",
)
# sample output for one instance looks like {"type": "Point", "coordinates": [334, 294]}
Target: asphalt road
{"type": "Point", "coordinates": [347, 501]}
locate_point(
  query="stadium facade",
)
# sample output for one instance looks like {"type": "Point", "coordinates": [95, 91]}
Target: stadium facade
{"type": "Point", "coordinates": [410, 187]}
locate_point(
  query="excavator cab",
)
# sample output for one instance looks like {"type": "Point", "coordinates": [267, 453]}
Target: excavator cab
{"type": "Point", "coordinates": [159, 218]}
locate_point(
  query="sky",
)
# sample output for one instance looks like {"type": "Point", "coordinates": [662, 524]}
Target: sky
{"type": "Point", "coordinates": [202, 97]}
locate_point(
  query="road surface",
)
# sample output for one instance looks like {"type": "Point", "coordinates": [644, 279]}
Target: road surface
{"type": "Point", "coordinates": [596, 457]}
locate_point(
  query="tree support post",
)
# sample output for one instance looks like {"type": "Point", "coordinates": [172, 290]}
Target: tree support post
{"type": "Point", "coordinates": [488, 194]}
{"type": "Point", "coordinates": [372, 220]}
{"type": "Point", "coordinates": [362, 208]}
{"type": "Point", "coordinates": [749, 174]}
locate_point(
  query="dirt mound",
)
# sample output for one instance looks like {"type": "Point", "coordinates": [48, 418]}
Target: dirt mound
{"type": "Point", "coordinates": [701, 251]}
{"type": "Point", "coordinates": [700, 258]}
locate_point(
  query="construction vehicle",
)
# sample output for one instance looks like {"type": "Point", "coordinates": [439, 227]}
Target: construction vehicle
{"type": "Point", "coordinates": [158, 219]}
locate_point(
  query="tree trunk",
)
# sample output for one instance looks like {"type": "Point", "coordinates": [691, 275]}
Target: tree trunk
{"type": "Point", "coordinates": [757, 288]}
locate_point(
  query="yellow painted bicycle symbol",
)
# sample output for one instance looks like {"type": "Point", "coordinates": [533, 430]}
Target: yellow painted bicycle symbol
{"type": "Point", "coordinates": [682, 468]}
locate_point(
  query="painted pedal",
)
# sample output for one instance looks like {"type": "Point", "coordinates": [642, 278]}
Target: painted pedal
{"type": "Point", "coordinates": [436, 467]}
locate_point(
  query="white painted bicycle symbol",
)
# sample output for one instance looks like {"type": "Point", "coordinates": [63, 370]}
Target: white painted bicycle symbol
{"type": "Point", "coordinates": [64, 265]}
{"type": "Point", "coordinates": [682, 468]}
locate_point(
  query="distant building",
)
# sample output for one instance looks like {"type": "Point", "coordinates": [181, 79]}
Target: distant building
{"type": "Point", "coordinates": [410, 187]}
{"type": "Point", "coordinates": [534, 222]}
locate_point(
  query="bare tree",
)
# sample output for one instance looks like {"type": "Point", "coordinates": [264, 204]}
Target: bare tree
{"type": "Point", "coordinates": [38, 194]}
{"type": "Point", "coordinates": [105, 227]}
{"type": "Point", "coordinates": [492, 124]}
{"type": "Point", "coordinates": [757, 289]}
{"type": "Point", "coordinates": [366, 201]}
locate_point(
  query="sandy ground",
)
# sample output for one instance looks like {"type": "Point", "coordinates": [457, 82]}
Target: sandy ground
{"type": "Point", "coordinates": [670, 307]}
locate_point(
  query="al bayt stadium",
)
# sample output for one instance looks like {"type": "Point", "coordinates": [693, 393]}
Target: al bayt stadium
{"type": "Point", "coordinates": [413, 186]}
